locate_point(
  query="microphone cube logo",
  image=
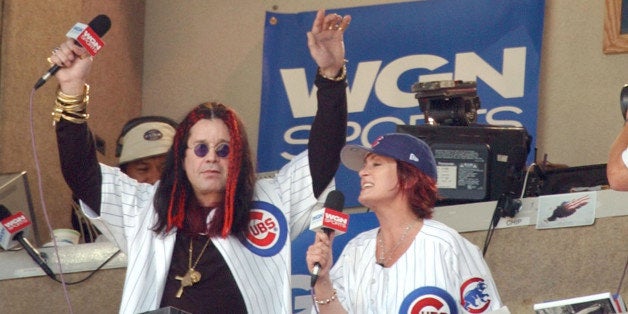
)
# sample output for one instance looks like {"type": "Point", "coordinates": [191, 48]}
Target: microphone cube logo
{"type": "Point", "coordinates": [339, 221]}
{"type": "Point", "coordinates": [4, 238]}
{"type": "Point", "coordinates": [9, 227]}
{"type": "Point", "coordinates": [86, 37]}
{"type": "Point", "coordinates": [317, 219]}
{"type": "Point", "coordinates": [16, 222]}
{"type": "Point", "coordinates": [77, 29]}
{"type": "Point", "coordinates": [326, 218]}
{"type": "Point", "coordinates": [90, 41]}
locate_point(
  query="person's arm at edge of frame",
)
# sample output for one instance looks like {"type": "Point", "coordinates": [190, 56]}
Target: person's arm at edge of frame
{"type": "Point", "coordinates": [328, 132]}
{"type": "Point", "coordinates": [77, 152]}
{"type": "Point", "coordinates": [616, 168]}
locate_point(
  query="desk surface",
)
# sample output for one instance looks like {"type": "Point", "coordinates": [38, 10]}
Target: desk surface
{"type": "Point", "coordinates": [464, 218]}
{"type": "Point", "coordinates": [74, 258]}
{"type": "Point", "coordinates": [477, 216]}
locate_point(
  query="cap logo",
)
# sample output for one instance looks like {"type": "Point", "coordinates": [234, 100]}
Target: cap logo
{"type": "Point", "coordinates": [376, 141]}
{"type": "Point", "coordinates": [153, 135]}
{"type": "Point", "coordinates": [413, 157]}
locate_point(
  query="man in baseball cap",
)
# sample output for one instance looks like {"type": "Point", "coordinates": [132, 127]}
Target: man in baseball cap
{"type": "Point", "coordinates": [142, 147]}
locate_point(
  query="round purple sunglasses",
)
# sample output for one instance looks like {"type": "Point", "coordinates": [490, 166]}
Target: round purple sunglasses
{"type": "Point", "coordinates": [201, 150]}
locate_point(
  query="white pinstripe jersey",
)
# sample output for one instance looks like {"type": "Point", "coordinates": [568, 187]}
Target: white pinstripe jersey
{"type": "Point", "coordinates": [438, 273]}
{"type": "Point", "coordinates": [261, 266]}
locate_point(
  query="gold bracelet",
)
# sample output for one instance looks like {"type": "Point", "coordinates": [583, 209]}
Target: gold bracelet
{"type": "Point", "coordinates": [73, 99]}
{"type": "Point", "coordinates": [77, 119]}
{"type": "Point", "coordinates": [67, 102]}
{"type": "Point", "coordinates": [342, 74]}
{"type": "Point", "coordinates": [80, 107]}
{"type": "Point", "coordinates": [71, 107]}
{"type": "Point", "coordinates": [328, 300]}
{"type": "Point", "coordinates": [59, 111]}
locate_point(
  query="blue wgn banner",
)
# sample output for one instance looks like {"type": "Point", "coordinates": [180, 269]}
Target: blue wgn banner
{"type": "Point", "coordinates": [391, 47]}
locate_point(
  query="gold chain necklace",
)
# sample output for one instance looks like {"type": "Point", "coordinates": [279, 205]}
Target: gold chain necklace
{"type": "Point", "coordinates": [384, 257]}
{"type": "Point", "coordinates": [192, 276]}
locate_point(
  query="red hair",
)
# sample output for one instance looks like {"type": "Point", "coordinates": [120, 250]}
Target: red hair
{"type": "Point", "coordinates": [419, 188]}
{"type": "Point", "coordinates": [175, 192]}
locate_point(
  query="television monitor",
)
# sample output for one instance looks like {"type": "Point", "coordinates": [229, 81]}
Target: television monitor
{"type": "Point", "coordinates": [477, 162]}
{"type": "Point", "coordinates": [16, 196]}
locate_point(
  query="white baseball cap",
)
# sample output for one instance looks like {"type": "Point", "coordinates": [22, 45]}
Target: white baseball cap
{"type": "Point", "coordinates": [145, 138]}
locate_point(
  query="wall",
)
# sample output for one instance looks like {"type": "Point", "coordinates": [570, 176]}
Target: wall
{"type": "Point", "coordinates": [30, 30]}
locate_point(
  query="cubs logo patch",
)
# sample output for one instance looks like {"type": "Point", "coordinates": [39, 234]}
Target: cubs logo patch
{"type": "Point", "coordinates": [474, 296]}
{"type": "Point", "coordinates": [432, 300]}
{"type": "Point", "coordinates": [267, 231]}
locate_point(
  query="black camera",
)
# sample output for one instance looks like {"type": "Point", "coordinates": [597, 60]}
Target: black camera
{"type": "Point", "coordinates": [448, 102]}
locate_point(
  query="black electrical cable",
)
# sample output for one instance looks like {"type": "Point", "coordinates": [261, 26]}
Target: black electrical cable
{"type": "Point", "coordinates": [491, 229]}
{"type": "Point", "coordinates": [92, 273]}
{"type": "Point", "coordinates": [506, 206]}
{"type": "Point", "coordinates": [622, 277]}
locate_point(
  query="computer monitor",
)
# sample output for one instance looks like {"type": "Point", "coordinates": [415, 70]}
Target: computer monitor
{"type": "Point", "coordinates": [476, 162]}
{"type": "Point", "coordinates": [16, 196]}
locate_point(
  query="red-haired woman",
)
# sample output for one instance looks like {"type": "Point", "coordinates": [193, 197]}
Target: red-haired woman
{"type": "Point", "coordinates": [410, 263]}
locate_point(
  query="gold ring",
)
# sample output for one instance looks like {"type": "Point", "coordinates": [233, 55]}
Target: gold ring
{"type": "Point", "coordinates": [330, 27]}
{"type": "Point", "coordinates": [49, 61]}
{"type": "Point", "coordinates": [340, 28]}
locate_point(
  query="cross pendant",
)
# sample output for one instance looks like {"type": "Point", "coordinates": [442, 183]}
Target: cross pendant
{"type": "Point", "coordinates": [191, 277]}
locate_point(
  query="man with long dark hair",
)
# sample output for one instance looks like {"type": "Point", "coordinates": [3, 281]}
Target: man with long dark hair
{"type": "Point", "coordinates": [207, 237]}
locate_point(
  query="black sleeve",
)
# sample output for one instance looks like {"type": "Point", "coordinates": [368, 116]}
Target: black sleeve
{"type": "Point", "coordinates": [79, 165]}
{"type": "Point", "coordinates": [328, 134]}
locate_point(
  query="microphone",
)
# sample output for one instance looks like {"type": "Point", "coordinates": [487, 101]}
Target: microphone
{"type": "Point", "coordinates": [87, 36]}
{"type": "Point", "coordinates": [329, 219]}
{"type": "Point", "coordinates": [12, 231]}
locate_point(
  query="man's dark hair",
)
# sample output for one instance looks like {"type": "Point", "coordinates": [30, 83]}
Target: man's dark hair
{"type": "Point", "coordinates": [175, 202]}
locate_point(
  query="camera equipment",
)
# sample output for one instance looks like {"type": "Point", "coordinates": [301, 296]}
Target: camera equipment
{"type": "Point", "coordinates": [448, 102]}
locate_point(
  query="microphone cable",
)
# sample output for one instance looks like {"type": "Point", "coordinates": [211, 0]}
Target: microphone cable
{"type": "Point", "coordinates": [61, 279]}
{"type": "Point", "coordinates": [90, 274]}
{"type": "Point", "coordinates": [42, 198]}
